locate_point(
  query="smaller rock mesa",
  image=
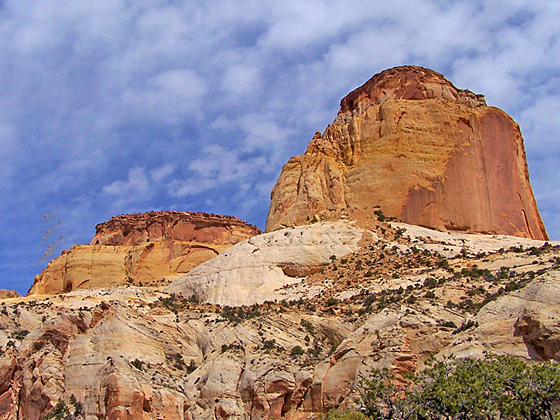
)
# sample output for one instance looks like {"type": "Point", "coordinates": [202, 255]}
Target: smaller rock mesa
{"type": "Point", "coordinates": [8, 294]}
{"type": "Point", "coordinates": [149, 249]}
{"type": "Point", "coordinates": [414, 146]}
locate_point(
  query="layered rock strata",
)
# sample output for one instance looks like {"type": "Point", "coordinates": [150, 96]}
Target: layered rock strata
{"type": "Point", "coordinates": [135, 229]}
{"type": "Point", "coordinates": [149, 249]}
{"type": "Point", "coordinates": [411, 145]}
{"type": "Point", "coordinates": [131, 353]}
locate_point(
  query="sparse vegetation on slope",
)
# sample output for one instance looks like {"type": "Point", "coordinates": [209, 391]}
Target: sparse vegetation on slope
{"type": "Point", "coordinates": [501, 387]}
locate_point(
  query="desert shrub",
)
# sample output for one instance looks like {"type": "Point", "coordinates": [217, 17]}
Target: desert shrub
{"type": "Point", "coordinates": [331, 301]}
{"type": "Point", "coordinates": [341, 414]}
{"type": "Point", "coordinates": [430, 294]}
{"type": "Point", "coordinates": [138, 364]}
{"type": "Point", "coordinates": [430, 283]}
{"type": "Point", "coordinates": [297, 351]}
{"type": "Point", "coordinates": [308, 326]}
{"type": "Point", "coordinates": [60, 412]}
{"type": "Point", "coordinates": [496, 387]}
{"type": "Point", "coordinates": [20, 335]}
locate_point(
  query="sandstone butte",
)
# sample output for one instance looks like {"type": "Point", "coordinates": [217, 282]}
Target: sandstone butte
{"type": "Point", "coordinates": [7, 294]}
{"type": "Point", "coordinates": [410, 144]}
{"type": "Point", "coordinates": [142, 249]}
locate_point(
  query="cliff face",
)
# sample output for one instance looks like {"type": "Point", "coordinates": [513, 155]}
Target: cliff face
{"type": "Point", "coordinates": [149, 249]}
{"type": "Point", "coordinates": [412, 145]}
{"type": "Point", "coordinates": [311, 310]}
{"type": "Point", "coordinates": [135, 229]}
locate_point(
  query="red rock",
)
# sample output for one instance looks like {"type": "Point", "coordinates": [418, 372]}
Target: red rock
{"type": "Point", "coordinates": [412, 145]}
{"type": "Point", "coordinates": [134, 229]}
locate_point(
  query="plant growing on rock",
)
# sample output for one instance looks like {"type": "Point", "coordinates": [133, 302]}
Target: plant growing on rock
{"type": "Point", "coordinates": [297, 351]}
{"type": "Point", "coordinates": [494, 387]}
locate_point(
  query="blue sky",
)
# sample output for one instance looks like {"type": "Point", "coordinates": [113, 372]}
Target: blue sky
{"type": "Point", "coordinates": [111, 107]}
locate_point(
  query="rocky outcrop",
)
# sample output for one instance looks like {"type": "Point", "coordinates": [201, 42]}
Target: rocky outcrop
{"type": "Point", "coordinates": [258, 269]}
{"type": "Point", "coordinates": [135, 229]}
{"type": "Point", "coordinates": [125, 353]}
{"type": "Point", "coordinates": [149, 249]}
{"type": "Point", "coordinates": [411, 145]}
{"type": "Point", "coordinates": [349, 301]}
{"type": "Point", "coordinates": [7, 294]}
{"type": "Point", "coordinates": [285, 324]}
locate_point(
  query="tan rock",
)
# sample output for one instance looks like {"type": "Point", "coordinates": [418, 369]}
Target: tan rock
{"type": "Point", "coordinates": [142, 249]}
{"type": "Point", "coordinates": [8, 398]}
{"type": "Point", "coordinates": [523, 323]}
{"type": "Point", "coordinates": [412, 145]}
{"type": "Point", "coordinates": [8, 294]}
{"type": "Point", "coordinates": [140, 353]}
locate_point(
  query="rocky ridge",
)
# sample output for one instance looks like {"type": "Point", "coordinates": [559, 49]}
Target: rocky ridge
{"type": "Point", "coordinates": [135, 229]}
{"type": "Point", "coordinates": [142, 249]}
{"type": "Point", "coordinates": [410, 144]}
{"type": "Point", "coordinates": [259, 269]}
{"type": "Point", "coordinates": [399, 296]}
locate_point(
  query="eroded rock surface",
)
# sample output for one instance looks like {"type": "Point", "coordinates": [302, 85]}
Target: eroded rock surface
{"type": "Point", "coordinates": [7, 294]}
{"type": "Point", "coordinates": [412, 145]}
{"type": "Point", "coordinates": [149, 249]}
{"type": "Point", "coordinates": [284, 324]}
{"type": "Point", "coordinates": [396, 297]}
{"type": "Point", "coordinates": [256, 270]}
{"type": "Point", "coordinates": [135, 229]}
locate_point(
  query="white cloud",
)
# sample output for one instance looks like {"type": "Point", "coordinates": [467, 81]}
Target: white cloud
{"type": "Point", "coordinates": [136, 187]}
{"type": "Point", "coordinates": [171, 96]}
{"type": "Point", "coordinates": [263, 133]}
{"type": "Point", "coordinates": [8, 143]}
{"type": "Point", "coordinates": [541, 118]}
{"type": "Point", "coordinates": [159, 174]}
{"type": "Point", "coordinates": [242, 80]}
{"type": "Point", "coordinates": [217, 166]}
{"type": "Point", "coordinates": [7, 148]}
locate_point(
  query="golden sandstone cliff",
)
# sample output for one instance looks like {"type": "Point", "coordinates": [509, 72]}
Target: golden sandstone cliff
{"type": "Point", "coordinates": [142, 249]}
{"type": "Point", "coordinates": [410, 144]}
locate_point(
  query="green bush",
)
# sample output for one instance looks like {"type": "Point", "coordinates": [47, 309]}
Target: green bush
{"type": "Point", "coordinates": [340, 414]}
{"type": "Point", "coordinates": [331, 301]}
{"type": "Point", "coordinates": [138, 364]}
{"type": "Point", "coordinates": [297, 351]}
{"type": "Point", "coordinates": [497, 387]}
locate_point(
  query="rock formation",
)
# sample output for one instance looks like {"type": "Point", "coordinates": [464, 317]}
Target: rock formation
{"type": "Point", "coordinates": [284, 324]}
{"type": "Point", "coordinates": [142, 249]}
{"type": "Point", "coordinates": [135, 229]}
{"type": "Point", "coordinates": [256, 270]}
{"type": "Point", "coordinates": [7, 294]}
{"type": "Point", "coordinates": [397, 298]}
{"type": "Point", "coordinates": [411, 145]}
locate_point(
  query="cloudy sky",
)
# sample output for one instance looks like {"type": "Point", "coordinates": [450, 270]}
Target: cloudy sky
{"type": "Point", "coordinates": [120, 106]}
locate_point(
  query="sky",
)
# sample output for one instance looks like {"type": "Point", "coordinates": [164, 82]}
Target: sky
{"type": "Point", "coordinates": [126, 106]}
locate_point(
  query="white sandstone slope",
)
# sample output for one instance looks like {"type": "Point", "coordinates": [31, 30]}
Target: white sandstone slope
{"type": "Point", "coordinates": [253, 271]}
{"type": "Point", "coordinates": [452, 243]}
